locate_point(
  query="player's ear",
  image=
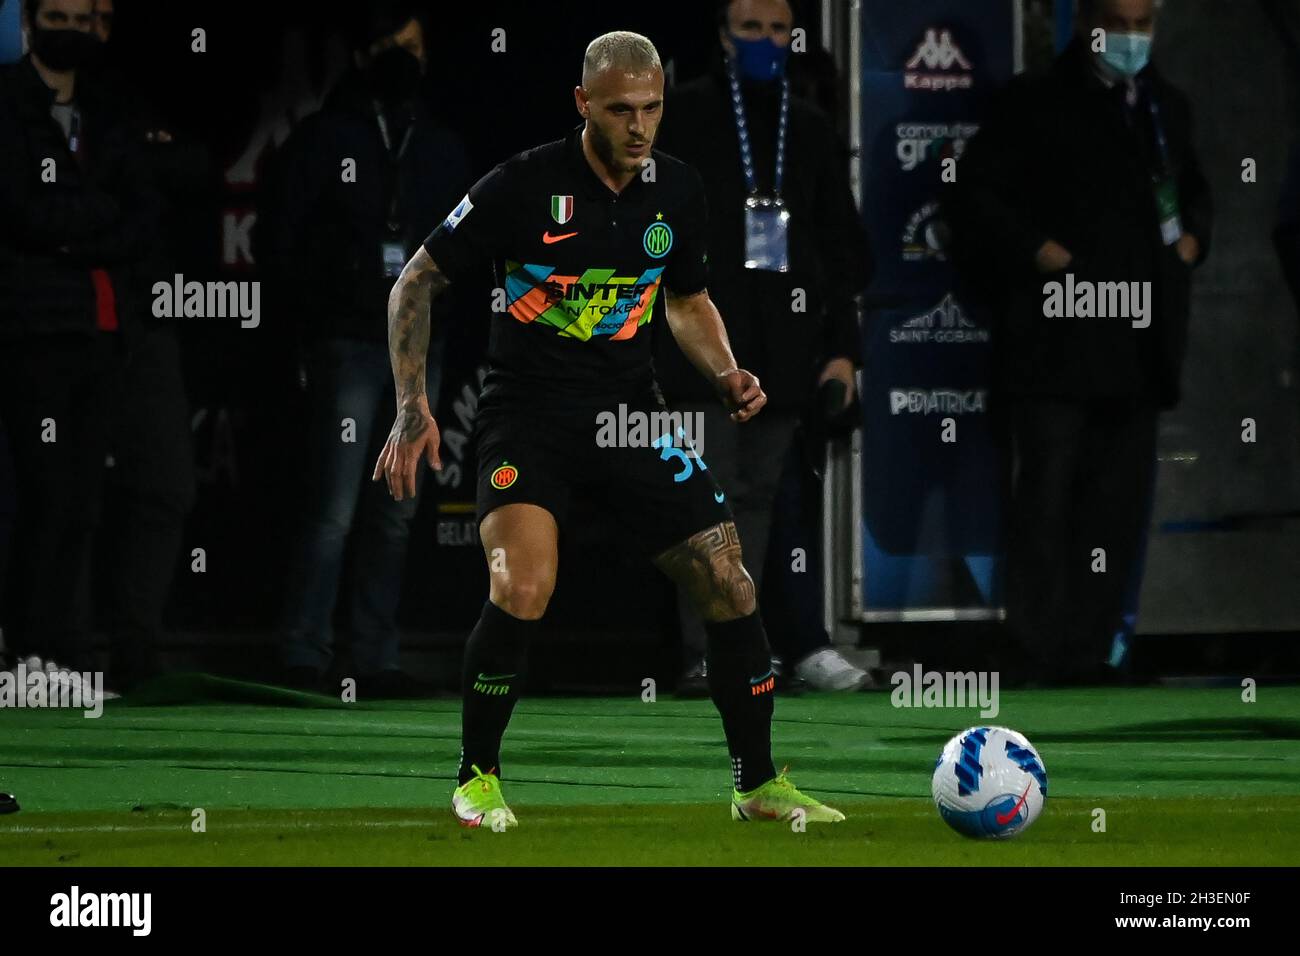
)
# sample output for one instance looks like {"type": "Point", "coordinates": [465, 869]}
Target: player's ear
{"type": "Point", "coordinates": [582, 101]}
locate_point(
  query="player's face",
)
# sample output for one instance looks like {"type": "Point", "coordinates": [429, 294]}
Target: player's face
{"type": "Point", "coordinates": [623, 111]}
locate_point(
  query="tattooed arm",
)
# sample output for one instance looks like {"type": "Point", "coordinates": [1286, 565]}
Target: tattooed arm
{"type": "Point", "coordinates": [414, 433]}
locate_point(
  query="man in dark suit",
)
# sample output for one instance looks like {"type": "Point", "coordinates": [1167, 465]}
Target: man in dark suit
{"type": "Point", "coordinates": [334, 244]}
{"type": "Point", "coordinates": [79, 214]}
{"type": "Point", "coordinates": [788, 306]}
{"type": "Point", "coordinates": [1081, 208]}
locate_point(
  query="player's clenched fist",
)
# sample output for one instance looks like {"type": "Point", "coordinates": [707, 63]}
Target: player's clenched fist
{"type": "Point", "coordinates": [741, 393]}
{"type": "Point", "coordinates": [414, 434]}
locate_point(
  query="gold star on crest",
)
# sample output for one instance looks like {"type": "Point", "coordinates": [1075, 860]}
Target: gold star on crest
{"type": "Point", "coordinates": [659, 216]}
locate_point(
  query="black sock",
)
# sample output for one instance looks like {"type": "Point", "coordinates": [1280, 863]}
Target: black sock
{"type": "Point", "coordinates": [495, 655]}
{"type": "Point", "coordinates": [742, 685]}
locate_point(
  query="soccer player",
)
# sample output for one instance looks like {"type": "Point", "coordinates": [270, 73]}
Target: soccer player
{"type": "Point", "coordinates": [583, 233]}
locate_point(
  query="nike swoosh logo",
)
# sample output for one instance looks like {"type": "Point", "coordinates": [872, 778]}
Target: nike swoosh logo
{"type": "Point", "coordinates": [548, 238]}
{"type": "Point", "coordinates": [484, 677]}
{"type": "Point", "coordinates": [719, 496]}
{"type": "Point", "coordinates": [1004, 819]}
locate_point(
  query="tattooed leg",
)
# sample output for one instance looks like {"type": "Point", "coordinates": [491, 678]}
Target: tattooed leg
{"type": "Point", "coordinates": [708, 566]}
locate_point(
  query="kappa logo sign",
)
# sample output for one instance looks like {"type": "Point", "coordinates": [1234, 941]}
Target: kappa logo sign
{"type": "Point", "coordinates": [938, 65]}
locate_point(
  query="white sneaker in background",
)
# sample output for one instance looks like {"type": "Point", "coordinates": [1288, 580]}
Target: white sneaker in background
{"type": "Point", "coordinates": [826, 669]}
{"type": "Point", "coordinates": [59, 676]}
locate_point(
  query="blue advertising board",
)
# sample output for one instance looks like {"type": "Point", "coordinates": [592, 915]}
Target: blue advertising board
{"type": "Point", "coordinates": [931, 482]}
{"type": "Point", "coordinates": [11, 38]}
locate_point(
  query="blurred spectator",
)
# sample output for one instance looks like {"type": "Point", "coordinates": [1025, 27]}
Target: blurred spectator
{"type": "Point", "coordinates": [350, 199]}
{"type": "Point", "coordinates": [1085, 174]}
{"type": "Point", "coordinates": [151, 485]}
{"type": "Point", "coordinates": [789, 313]}
{"type": "Point", "coordinates": [78, 215]}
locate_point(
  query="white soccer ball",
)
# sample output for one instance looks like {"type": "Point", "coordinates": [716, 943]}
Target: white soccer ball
{"type": "Point", "coordinates": [989, 782]}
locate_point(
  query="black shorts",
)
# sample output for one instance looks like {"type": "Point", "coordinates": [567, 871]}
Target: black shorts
{"type": "Point", "coordinates": [649, 482]}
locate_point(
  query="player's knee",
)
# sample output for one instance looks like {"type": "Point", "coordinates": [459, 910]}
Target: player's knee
{"type": "Point", "coordinates": [521, 595]}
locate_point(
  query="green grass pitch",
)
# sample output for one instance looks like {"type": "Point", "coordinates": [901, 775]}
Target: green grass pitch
{"type": "Point", "coordinates": [1185, 777]}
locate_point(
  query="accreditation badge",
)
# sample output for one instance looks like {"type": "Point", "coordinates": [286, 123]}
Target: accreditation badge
{"type": "Point", "coordinates": [767, 224]}
{"type": "Point", "coordinates": [1171, 220]}
{"type": "Point", "coordinates": [393, 256]}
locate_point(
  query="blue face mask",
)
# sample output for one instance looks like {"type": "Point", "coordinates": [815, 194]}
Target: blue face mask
{"type": "Point", "coordinates": [1127, 53]}
{"type": "Point", "coordinates": [760, 60]}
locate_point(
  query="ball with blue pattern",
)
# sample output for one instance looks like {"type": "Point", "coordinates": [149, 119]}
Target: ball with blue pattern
{"type": "Point", "coordinates": [989, 783]}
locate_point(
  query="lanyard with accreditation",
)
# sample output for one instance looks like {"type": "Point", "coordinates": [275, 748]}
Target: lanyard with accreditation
{"type": "Point", "coordinates": [1164, 183]}
{"type": "Point", "coordinates": [767, 220]}
{"type": "Point", "coordinates": [392, 250]}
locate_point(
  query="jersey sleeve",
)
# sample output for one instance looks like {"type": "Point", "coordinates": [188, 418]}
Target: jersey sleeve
{"type": "Point", "coordinates": [476, 230]}
{"type": "Point", "coordinates": [688, 268]}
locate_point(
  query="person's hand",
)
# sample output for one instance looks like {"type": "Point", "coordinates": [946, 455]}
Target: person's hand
{"type": "Point", "coordinates": [414, 435]}
{"type": "Point", "coordinates": [1189, 250]}
{"type": "Point", "coordinates": [1053, 257]}
{"type": "Point", "coordinates": [841, 370]}
{"type": "Point", "coordinates": [741, 393]}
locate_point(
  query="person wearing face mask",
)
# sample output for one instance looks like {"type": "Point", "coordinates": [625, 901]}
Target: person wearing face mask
{"type": "Point", "coordinates": [332, 240]}
{"type": "Point", "coordinates": [787, 254]}
{"type": "Point", "coordinates": [1086, 175]}
{"type": "Point", "coordinates": [78, 214]}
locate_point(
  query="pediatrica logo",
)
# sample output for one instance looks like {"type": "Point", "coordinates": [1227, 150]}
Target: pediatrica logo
{"type": "Point", "coordinates": [658, 240]}
{"type": "Point", "coordinates": [504, 477]}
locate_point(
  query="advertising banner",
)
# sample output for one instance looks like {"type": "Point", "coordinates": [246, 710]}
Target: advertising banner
{"type": "Point", "coordinates": [931, 484]}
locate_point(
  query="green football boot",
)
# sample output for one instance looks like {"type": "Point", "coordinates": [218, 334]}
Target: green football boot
{"type": "Point", "coordinates": [478, 802]}
{"type": "Point", "coordinates": [779, 800]}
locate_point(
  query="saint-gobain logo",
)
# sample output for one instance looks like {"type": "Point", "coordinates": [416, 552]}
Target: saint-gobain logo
{"type": "Point", "coordinates": [945, 323]}
{"type": "Point", "coordinates": [938, 64]}
{"type": "Point", "coordinates": [658, 240]}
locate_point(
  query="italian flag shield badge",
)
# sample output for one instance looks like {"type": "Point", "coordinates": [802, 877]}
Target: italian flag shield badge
{"type": "Point", "coordinates": [561, 209]}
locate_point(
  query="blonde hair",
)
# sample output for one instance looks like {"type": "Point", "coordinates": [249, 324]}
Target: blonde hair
{"type": "Point", "coordinates": [620, 50]}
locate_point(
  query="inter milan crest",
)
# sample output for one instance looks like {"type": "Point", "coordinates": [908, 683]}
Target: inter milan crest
{"type": "Point", "coordinates": [561, 209]}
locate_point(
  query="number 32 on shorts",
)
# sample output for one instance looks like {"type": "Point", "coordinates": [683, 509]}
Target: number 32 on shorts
{"type": "Point", "coordinates": [670, 452]}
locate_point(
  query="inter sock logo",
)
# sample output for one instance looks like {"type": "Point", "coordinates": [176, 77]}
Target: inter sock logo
{"type": "Point", "coordinates": [762, 685]}
{"type": "Point", "coordinates": [492, 685]}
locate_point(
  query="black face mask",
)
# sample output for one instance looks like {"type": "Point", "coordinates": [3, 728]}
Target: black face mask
{"type": "Point", "coordinates": [395, 75]}
{"type": "Point", "coordinates": [63, 50]}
